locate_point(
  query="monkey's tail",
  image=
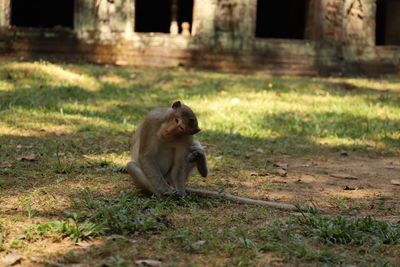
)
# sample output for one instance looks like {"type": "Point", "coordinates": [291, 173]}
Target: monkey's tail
{"type": "Point", "coordinates": [250, 201]}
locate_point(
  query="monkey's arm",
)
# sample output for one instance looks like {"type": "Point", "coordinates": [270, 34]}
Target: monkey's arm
{"type": "Point", "coordinates": [180, 171]}
{"type": "Point", "coordinates": [245, 200]}
{"type": "Point", "coordinates": [197, 155]}
{"type": "Point", "coordinates": [154, 175]}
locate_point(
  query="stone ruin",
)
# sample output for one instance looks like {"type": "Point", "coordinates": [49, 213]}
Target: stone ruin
{"type": "Point", "coordinates": [315, 37]}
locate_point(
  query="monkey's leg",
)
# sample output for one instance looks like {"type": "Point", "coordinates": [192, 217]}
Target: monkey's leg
{"type": "Point", "coordinates": [139, 178]}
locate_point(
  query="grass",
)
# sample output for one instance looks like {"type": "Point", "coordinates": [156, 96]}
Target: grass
{"type": "Point", "coordinates": [65, 131]}
{"type": "Point", "coordinates": [325, 239]}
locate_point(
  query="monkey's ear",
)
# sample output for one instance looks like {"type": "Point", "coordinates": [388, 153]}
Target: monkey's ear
{"type": "Point", "coordinates": [176, 105]}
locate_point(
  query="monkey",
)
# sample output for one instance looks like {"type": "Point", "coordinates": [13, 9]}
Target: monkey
{"type": "Point", "coordinates": [164, 153]}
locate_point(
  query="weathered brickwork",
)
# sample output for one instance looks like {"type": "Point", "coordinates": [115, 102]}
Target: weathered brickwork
{"type": "Point", "coordinates": [339, 36]}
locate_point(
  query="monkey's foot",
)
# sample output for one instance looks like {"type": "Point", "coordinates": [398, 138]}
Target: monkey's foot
{"type": "Point", "coordinates": [174, 194]}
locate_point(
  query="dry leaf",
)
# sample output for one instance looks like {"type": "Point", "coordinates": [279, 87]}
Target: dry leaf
{"type": "Point", "coordinates": [349, 188]}
{"type": "Point", "coordinates": [198, 244]}
{"type": "Point", "coordinates": [149, 263]}
{"type": "Point", "coordinates": [253, 174]}
{"type": "Point", "coordinates": [58, 133]}
{"type": "Point", "coordinates": [344, 176]}
{"type": "Point", "coordinates": [11, 259]}
{"type": "Point", "coordinates": [84, 244]}
{"type": "Point", "coordinates": [115, 237]}
{"type": "Point", "coordinates": [281, 165]}
{"type": "Point", "coordinates": [260, 150]}
{"type": "Point", "coordinates": [31, 157]}
{"type": "Point", "coordinates": [5, 164]}
{"type": "Point", "coordinates": [306, 165]}
{"type": "Point", "coordinates": [395, 181]}
{"type": "Point", "coordinates": [235, 101]}
{"type": "Point", "coordinates": [391, 167]}
{"type": "Point", "coordinates": [278, 181]}
{"type": "Point", "coordinates": [48, 262]}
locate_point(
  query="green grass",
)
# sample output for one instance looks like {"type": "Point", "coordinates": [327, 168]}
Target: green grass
{"type": "Point", "coordinates": [77, 122]}
{"type": "Point", "coordinates": [327, 239]}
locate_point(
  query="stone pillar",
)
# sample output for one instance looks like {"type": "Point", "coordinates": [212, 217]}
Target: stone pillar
{"type": "Point", "coordinates": [331, 20]}
{"type": "Point", "coordinates": [233, 24]}
{"type": "Point", "coordinates": [4, 13]}
{"type": "Point", "coordinates": [104, 19]}
{"type": "Point", "coordinates": [358, 30]}
{"type": "Point", "coordinates": [359, 22]}
{"type": "Point", "coordinates": [203, 22]}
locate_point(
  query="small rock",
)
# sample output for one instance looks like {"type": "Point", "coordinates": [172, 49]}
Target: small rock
{"type": "Point", "coordinates": [344, 153]}
{"type": "Point", "coordinates": [11, 259]}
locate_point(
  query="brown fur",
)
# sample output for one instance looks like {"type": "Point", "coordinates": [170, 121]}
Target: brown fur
{"type": "Point", "coordinates": [164, 152]}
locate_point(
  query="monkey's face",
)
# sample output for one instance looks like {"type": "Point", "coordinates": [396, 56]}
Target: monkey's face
{"type": "Point", "coordinates": [182, 122]}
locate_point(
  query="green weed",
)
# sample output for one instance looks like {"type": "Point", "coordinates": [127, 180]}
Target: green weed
{"type": "Point", "coordinates": [72, 229]}
{"type": "Point", "coordinates": [128, 214]}
{"type": "Point", "coordinates": [325, 238]}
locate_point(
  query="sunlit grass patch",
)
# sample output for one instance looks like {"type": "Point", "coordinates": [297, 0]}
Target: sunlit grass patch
{"type": "Point", "coordinates": [28, 75]}
{"type": "Point", "coordinates": [75, 123]}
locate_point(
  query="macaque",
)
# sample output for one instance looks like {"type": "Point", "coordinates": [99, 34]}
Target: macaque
{"type": "Point", "coordinates": [164, 152]}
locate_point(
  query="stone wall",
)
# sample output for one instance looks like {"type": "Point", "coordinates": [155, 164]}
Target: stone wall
{"type": "Point", "coordinates": [339, 37]}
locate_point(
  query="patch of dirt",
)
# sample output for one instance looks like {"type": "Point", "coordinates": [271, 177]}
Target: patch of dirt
{"type": "Point", "coordinates": [351, 183]}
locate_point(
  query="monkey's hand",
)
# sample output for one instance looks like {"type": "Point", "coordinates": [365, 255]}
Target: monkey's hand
{"type": "Point", "coordinates": [196, 152]}
{"type": "Point", "coordinates": [195, 156]}
{"type": "Point", "coordinates": [154, 177]}
{"type": "Point", "coordinates": [198, 156]}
